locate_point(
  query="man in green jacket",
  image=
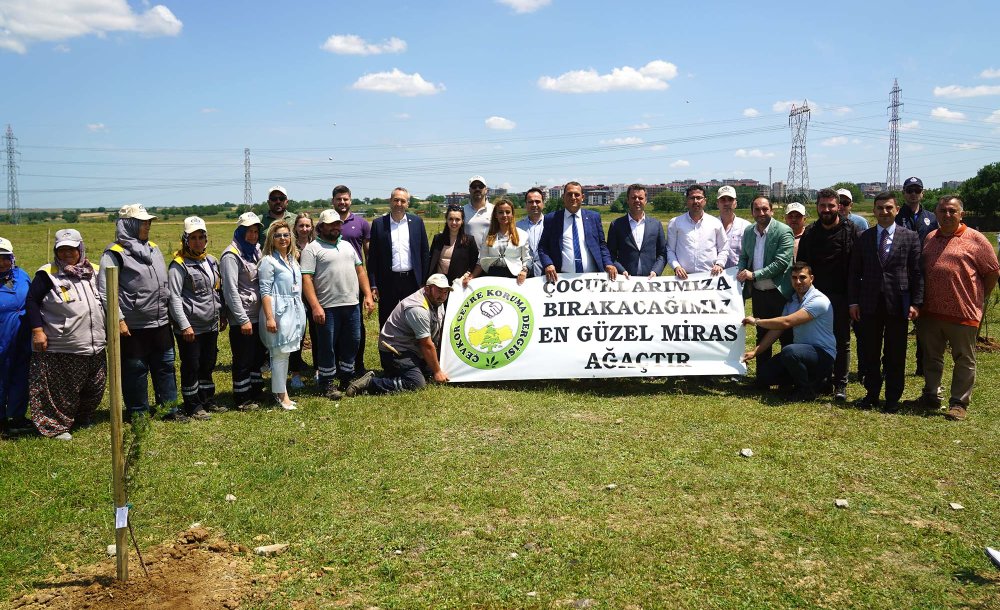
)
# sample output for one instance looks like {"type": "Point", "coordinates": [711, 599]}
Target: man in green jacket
{"type": "Point", "coordinates": [765, 267]}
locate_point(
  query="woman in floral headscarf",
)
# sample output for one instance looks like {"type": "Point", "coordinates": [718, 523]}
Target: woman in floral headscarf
{"type": "Point", "coordinates": [68, 367]}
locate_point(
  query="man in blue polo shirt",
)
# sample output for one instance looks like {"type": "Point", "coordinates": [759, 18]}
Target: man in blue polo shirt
{"type": "Point", "coordinates": [809, 359]}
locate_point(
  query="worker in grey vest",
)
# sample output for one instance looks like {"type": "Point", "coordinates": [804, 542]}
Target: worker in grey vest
{"type": "Point", "coordinates": [410, 342]}
{"type": "Point", "coordinates": [147, 345]}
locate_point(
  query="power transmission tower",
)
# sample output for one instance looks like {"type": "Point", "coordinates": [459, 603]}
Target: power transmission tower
{"type": "Point", "coordinates": [798, 169]}
{"type": "Point", "coordinates": [13, 201]}
{"type": "Point", "coordinates": [247, 191]}
{"type": "Point", "coordinates": [892, 182]}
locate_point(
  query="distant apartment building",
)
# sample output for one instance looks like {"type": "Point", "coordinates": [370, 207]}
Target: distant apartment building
{"type": "Point", "coordinates": [556, 192]}
{"type": "Point", "coordinates": [952, 185]}
{"type": "Point", "coordinates": [492, 193]}
{"type": "Point", "coordinates": [778, 190]}
{"type": "Point", "coordinates": [456, 199]}
{"type": "Point", "coordinates": [870, 189]}
{"type": "Point", "coordinates": [597, 195]}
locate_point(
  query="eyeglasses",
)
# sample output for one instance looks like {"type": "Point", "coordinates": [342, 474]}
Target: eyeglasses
{"type": "Point", "coordinates": [914, 189]}
{"type": "Point", "coordinates": [278, 198]}
{"type": "Point", "coordinates": [282, 235]}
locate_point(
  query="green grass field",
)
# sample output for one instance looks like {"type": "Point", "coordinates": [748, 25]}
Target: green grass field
{"type": "Point", "coordinates": [630, 493]}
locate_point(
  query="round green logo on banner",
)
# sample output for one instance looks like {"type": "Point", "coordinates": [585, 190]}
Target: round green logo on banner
{"type": "Point", "coordinates": [492, 327]}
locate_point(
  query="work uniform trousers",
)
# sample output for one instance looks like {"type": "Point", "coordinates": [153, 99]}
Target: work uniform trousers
{"type": "Point", "coordinates": [399, 373]}
{"type": "Point", "coordinates": [249, 355]}
{"type": "Point", "coordinates": [198, 360]}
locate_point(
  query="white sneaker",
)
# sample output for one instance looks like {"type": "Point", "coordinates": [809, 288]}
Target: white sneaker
{"type": "Point", "coordinates": [65, 436]}
{"type": "Point", "coordinates": [994, 556]}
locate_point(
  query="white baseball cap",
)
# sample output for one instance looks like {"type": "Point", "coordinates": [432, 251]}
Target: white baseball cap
{"type": "Point", "coordinates": [327, 217]}
{"type": "Point", "coordinates": [278, 188]}
{"type": "Point", "coordinates": [726, 191]}
{"type": "Point", "coordinates": [135, 210]}
{"type": "Point", "coordinates": [68, 237]}
{"type": "Point", "coordinates": [5, 246]}
{"type": "Point", "coordinates": [193, 223]}
{"type": "Point", "coordinates": [477, 179]}
{"type": "Point", "coordinates": [440, 280]}
{"type": "Point", "coordinates": [795, 206]}
{"type": "Point", "coordinates": [845, 193]}
{"type": "Point", "coordinates": [248, 219]}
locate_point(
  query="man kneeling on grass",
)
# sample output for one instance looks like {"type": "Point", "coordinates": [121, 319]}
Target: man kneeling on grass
{"type": "Point", "coordinates": [809, 359]}
{"type": "Point", "coordinates": [409, 343]}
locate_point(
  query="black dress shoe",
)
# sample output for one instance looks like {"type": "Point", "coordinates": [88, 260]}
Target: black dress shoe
{"type": "Point", "coordinates": [892, 407]}
{"type": "Point", "coordinates": [866, 403]}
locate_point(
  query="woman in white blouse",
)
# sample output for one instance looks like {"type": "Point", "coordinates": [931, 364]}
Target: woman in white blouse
{"type": "Point", "coordinates": [505, 249]}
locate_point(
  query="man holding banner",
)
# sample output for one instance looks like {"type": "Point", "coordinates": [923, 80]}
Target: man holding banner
{"type": "Point", "coordinates": [573, 239]}
{"type": "Point", "coordinates": [809, 359]}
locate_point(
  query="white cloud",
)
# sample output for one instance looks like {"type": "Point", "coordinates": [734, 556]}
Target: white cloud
{"type": "Point", "coordinates": [835, 141]}
{"type": "Point", "coordinates": [855, 140]}
{"type": "Point", "coordinates": [498, 122]}
{"type": "Point", "coordinates": [994, 118]}
{"type": "Point", "coordinates": [209, 110]}
{"type": "Point", "coordinates": [968, 145]}
{"type": "Point", "coordinates": [990, 73]}
{"type": "Point", "coordinates": [61, 48]}
{"type": "Point", "coordinates": [525, 6]}
{"type": "Point", "coordinates": [957, 92]}
{"type": "Point", "coordinates": [97, 127]}
{"type": "Point", "coordinates": [751, 112]}
{"type": "Point", "coordinates": [947, 115]}
{"type": "Point", "coordinates": [402, 116]}
{"type": "Point", "coordinates": [658, 147]}
{"type": "Point", "coordinates": [26, 22]}
{"type": "Point", "coordinates": [913, 147]}
{"type": "Point", "coordinates": [754, 153]}
{"type": "Point", "coordinates": [400, 83]}
{"type": "Point", "coordinates": [639, 126]}
{"type": "Point", "coordinates": [680, 163]}
{"type": "Point", "coordinates": [622, 141]}
{"type": "Point", "coordinates": [909, 125]}
{"type": "Point", "coordinates": [352, 44]}
{"type": "Point", "coordinates": [506, 185]}
{"type": "Point", "coordinates": [651, 77]}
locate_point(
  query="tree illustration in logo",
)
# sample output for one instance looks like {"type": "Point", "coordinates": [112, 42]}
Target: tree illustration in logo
{"type": "Point", "coordinates": [491, 339]}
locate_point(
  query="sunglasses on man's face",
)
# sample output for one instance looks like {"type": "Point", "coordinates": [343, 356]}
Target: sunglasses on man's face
{"type": "Point", "coordinates": [914, 189]}
{"type": "Point", "coordinates": [277, 198]}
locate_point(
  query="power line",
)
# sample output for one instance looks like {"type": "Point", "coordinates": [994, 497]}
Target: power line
{"type": "Point", "coordinates": [798, 167]}
{"type": "Point", "coordinates": [13, 201]}
{"type": "Point", "coordinates": [892, 181]}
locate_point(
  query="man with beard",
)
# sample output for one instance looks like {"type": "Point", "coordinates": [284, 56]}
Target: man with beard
{"type": "Point", "coordinates": [356, 231]}
{"type": "Point", "coordinates": [277, 208]}
{"type": "Point", "coordinates": [407, 349]}
{"type": "Point", "coordinates": [534, 205]}
{"type": "Point", "coordinates": [332, 277]}
{"type": "Point", "coordinates": [826, 247]}
{"type": "Point", "coordinates": [478, 211]}
{"type": "Point", "coordinates": [399, 254]}
{"type": "Point", "coordinates": [696, 241]}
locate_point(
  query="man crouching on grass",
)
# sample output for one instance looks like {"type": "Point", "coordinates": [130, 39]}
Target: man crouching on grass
{"type": "Point", "coordinates": [808, 360]}
{"type": "Point", "coordinates": [409, 343]}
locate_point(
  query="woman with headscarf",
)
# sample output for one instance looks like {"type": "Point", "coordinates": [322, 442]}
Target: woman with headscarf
{"type": "Point", "coordinates": [147, 345]}
{"type": "Point", "coordinates": [15, 342]}
{"type": "Point", "coordinates": [195, 308]}
{"type": "Point", "coordinates": [66, 316]}
{"type": "Point", "coordinates": [240, 292]}
{"type": "Point", "coordinates": [283, 317]}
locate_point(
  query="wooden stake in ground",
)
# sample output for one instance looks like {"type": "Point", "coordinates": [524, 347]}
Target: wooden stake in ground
{"type": "Point", "coordinates": [115, 404]}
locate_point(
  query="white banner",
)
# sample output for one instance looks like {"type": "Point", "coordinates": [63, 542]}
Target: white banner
{"type": "Point", "coordinates": [585, 325]}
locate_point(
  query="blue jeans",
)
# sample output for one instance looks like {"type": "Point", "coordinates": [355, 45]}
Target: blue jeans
{"type": "Point", "coordinates": [135, 372]}
{"type": "Point", "coordinates": [800, 363]}
{"type": "Point", "coordinates": [337, 343]}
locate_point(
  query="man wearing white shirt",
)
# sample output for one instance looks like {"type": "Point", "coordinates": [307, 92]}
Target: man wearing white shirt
{"type": "Point", "coordinates": [534, 204]}
{"type": "Point", "coordinates": [637, 243]}
{"type": "Point", "coordinates": [734, 226]}
{"type": "Point", "coordinates": [573, 239]}
{"type": "Point", "coordinates": [478, 211]}
{"type": "Point", "coordinates": [696, 242]}
{"type": "Point", "coordinates": [398, 255]}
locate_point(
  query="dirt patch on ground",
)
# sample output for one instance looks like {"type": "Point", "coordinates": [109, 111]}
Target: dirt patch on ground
{"type": "Point", "coordinates": [197, 571]}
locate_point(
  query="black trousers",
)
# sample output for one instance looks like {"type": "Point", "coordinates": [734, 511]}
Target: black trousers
{"type": "Point", "coordinates": [768, 304]}
{"type": "Point", "coordinates": [885, 334]}
{"type": "Point", "coordinates": [393, 289]}
{"type": "Point", "coordinates": [842, 335]}
{"type": "Point", "coordinates": [197, 364]}
{"type": "Point", "coordinates": [249, 355]}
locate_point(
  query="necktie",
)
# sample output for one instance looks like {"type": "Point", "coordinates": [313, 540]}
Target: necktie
{"type": "Point", "coordinates": [883, 247]}
{"type": "Point", "coordinates": [577, 254]}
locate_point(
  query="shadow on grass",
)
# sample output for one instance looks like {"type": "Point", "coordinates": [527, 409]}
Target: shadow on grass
{"type": "Point", "coordinates": [970, 576]}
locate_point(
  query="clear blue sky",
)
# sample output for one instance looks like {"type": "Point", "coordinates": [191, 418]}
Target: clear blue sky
{"type": "Point", "coordinates": [116, 102]}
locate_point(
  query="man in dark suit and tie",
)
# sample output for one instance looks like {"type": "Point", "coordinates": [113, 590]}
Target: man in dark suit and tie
{"type": "Point", "coordinates": [885, 291]}
{"type": "Point", "coordinates": [636, 242]}
{"type": "Point", "coordinates": [398, 255]}
{"type": "Point", "coordinates": [573, 239]}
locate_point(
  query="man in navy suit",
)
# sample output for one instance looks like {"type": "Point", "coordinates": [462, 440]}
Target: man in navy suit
{"type": "Point", "coordinates": [636, 242]}
{"type": "Point", "coordinates": [885, 290]}
{"type": "Point", "coordinates": [573, 239]}
{"type": "Point", "coordinates": [398, 255]}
